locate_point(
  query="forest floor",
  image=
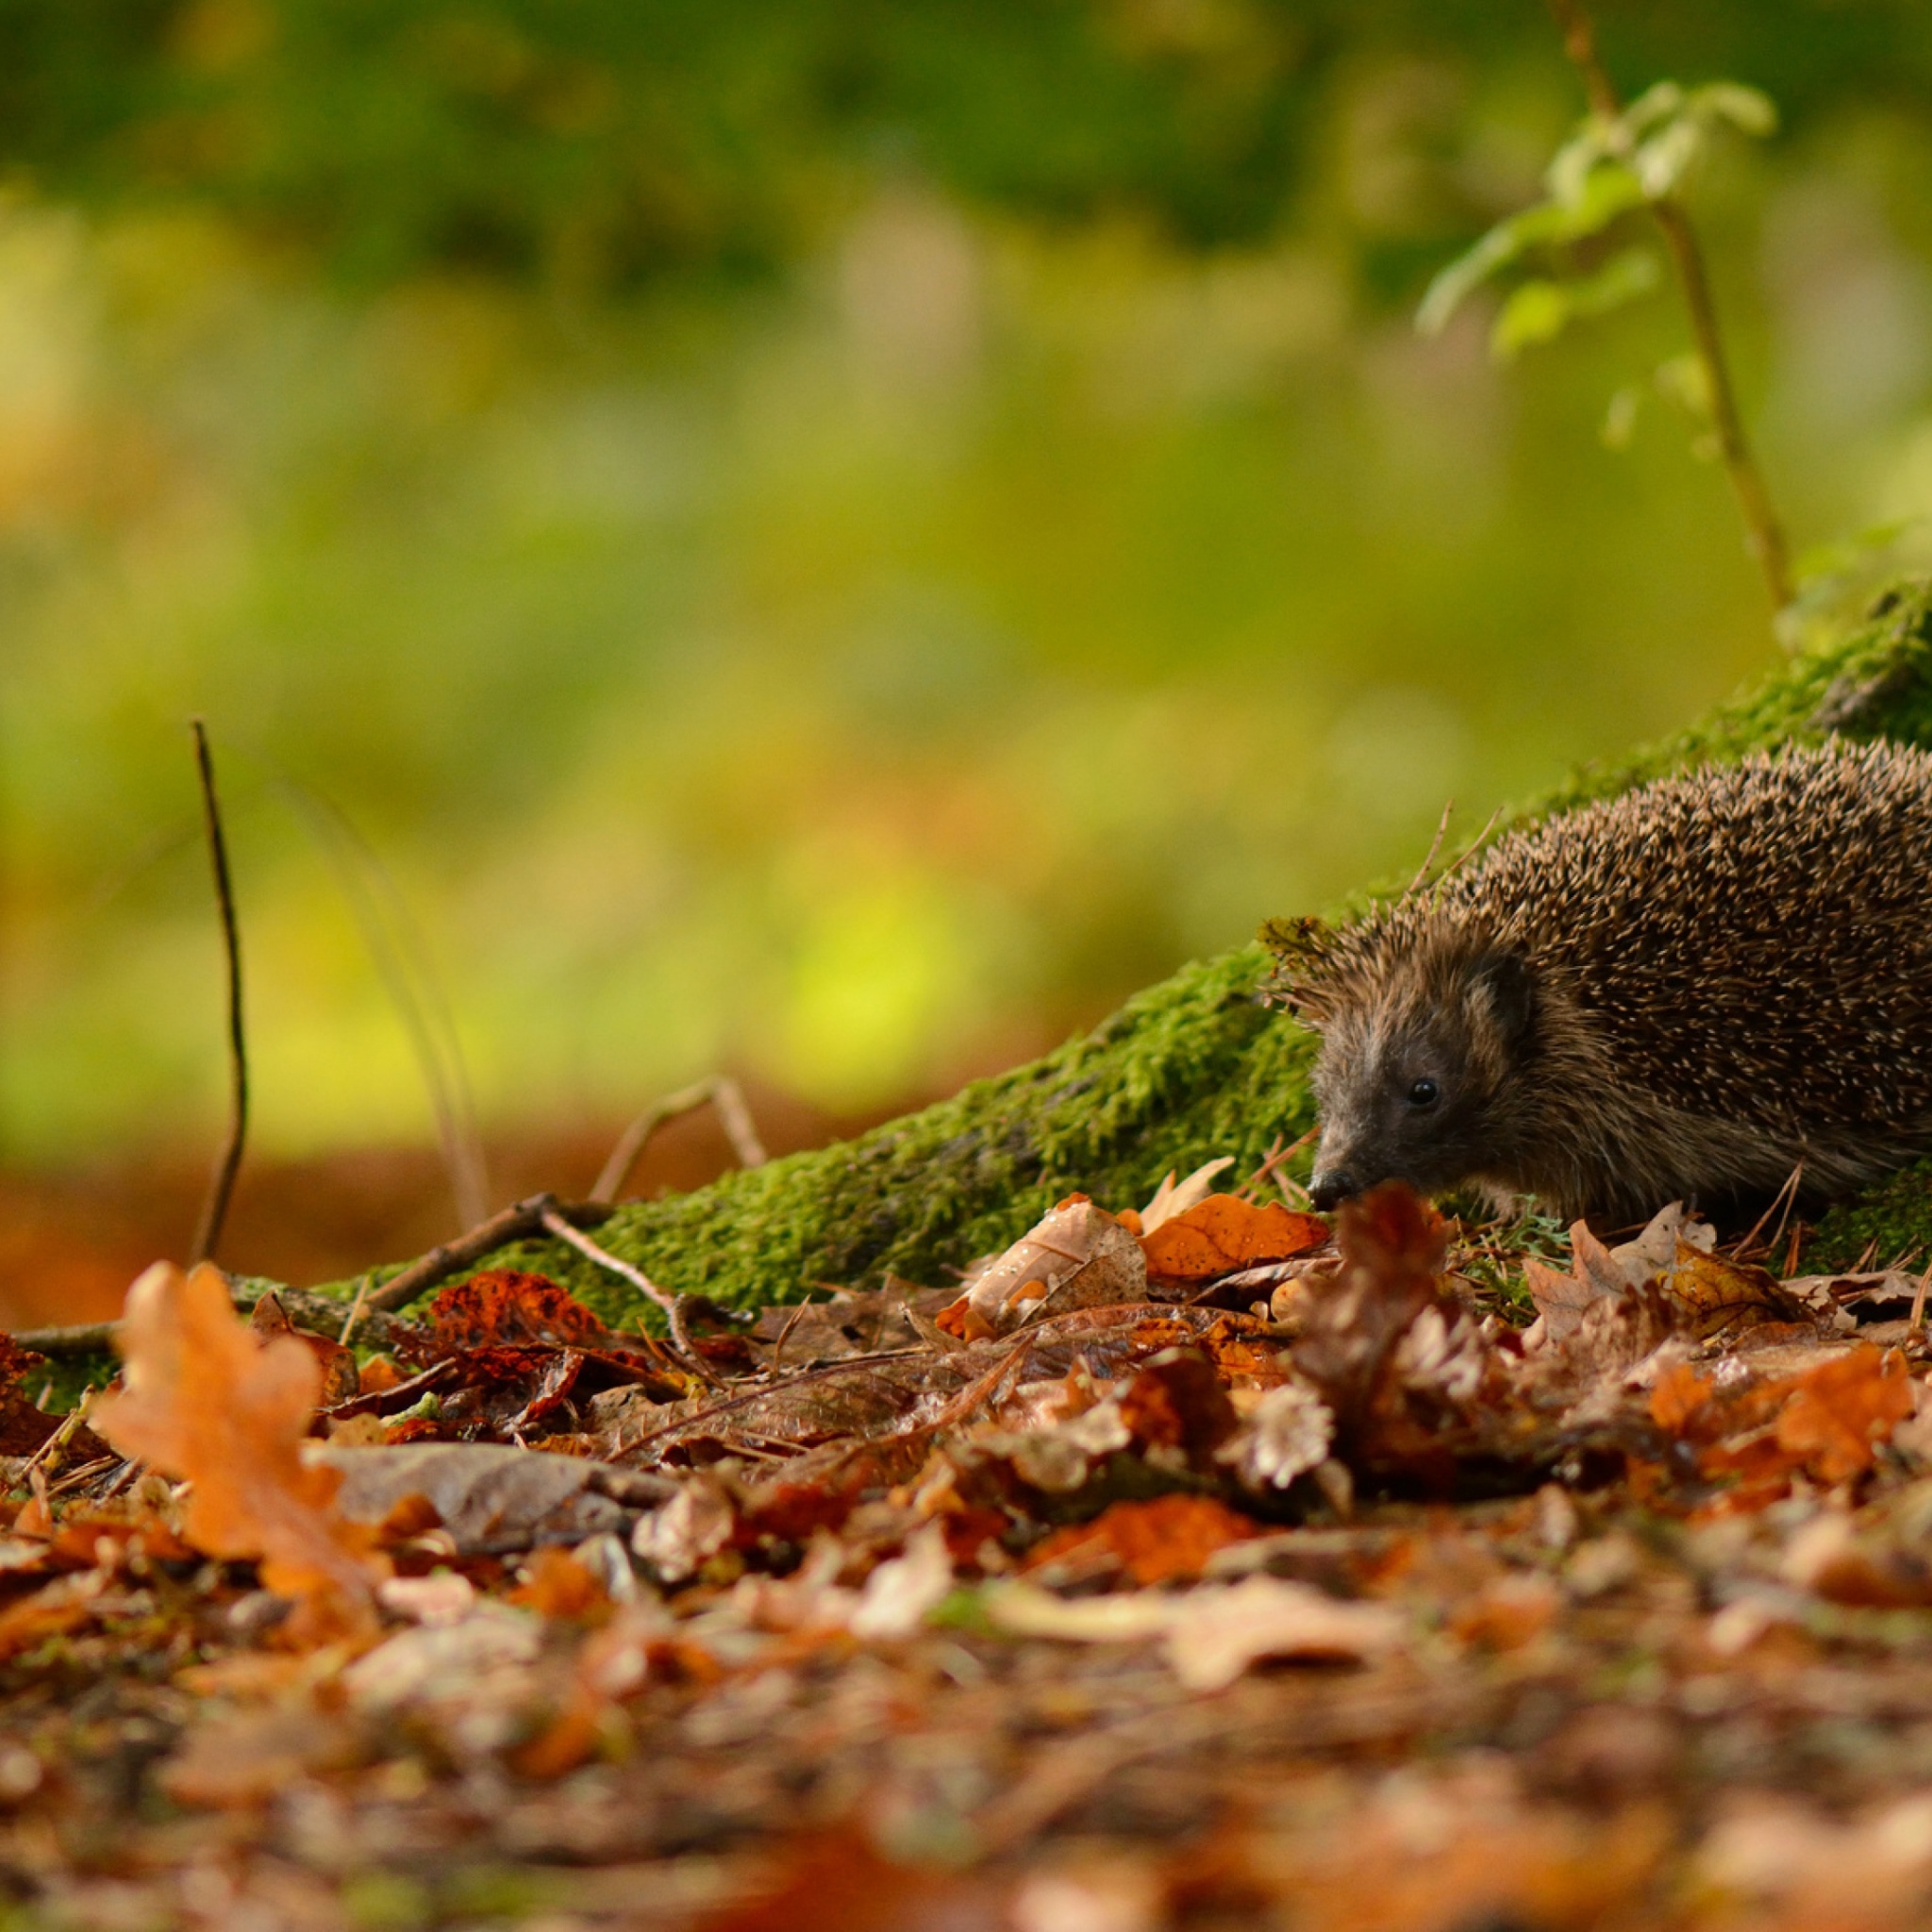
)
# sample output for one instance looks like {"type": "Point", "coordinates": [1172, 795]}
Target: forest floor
{"type": "Point", "coordinates": [1204, 1566]}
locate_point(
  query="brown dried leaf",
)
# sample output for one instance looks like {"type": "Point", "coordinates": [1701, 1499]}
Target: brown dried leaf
{"type": "Point", "coordinates": [504, 1307]}
{"type": "Point", "coordinates": [1224, 1233]}
{"type": "Point", "coordinates": [1076, 1256]}
{"type": "Point", "coordinates": [1714, 1294]}
{"type": "Point", "coordinates": [341, 1380]}
{"type": "Point", "coordinates": [206, 1402]}
{"type": "Point", "coordinates": [1166, 1539]}
{"type": "Point", "coordinates": [1841, 1408]}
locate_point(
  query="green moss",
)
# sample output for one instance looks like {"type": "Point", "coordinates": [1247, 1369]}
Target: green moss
{"type": "Point", "coordinates": [1188, 1070]}
{"type": "Point", "coordinates": [1888, 1220]}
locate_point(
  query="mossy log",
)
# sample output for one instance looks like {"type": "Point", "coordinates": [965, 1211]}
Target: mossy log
{"type": "Point", "coordinates": [1188, 1070]}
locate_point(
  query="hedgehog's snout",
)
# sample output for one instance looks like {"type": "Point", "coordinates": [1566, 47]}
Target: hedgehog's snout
{"type": "Point", "coordinates": [1330, 1188]}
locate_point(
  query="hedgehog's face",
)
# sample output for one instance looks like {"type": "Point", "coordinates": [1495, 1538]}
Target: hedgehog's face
{"type": "Point", "coordinates": [1412, 1082]}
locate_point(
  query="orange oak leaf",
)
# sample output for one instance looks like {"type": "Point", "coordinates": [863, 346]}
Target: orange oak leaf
{"type": "Point", "coordinates": [1842, 1407]}
{"type": "Point", "coordinates": [1224, 1232]}
{"type": "Point", "coordinates": [1160, 1541]}
{"type": "Point", "coordinates": [203, 1400]}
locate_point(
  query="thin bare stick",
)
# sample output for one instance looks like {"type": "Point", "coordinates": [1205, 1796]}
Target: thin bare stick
{"type": "Point", "coordinates": [1278, 1158]}
{"type": "Point", "coordinates": [79, 1478]}
{"type": "Point", "coordinates": [733, 1114]}
{"type": "Point", "coordinates": [1791, 1202]}
{"type": "Point", "coordinates": [87, 1338]}
{"type": "Point", "coordinates": [513, 1224]}
{"type": "Point", "coordinates": [1764, 533]}
{"type": "Point", "coordinates": [792, 1321]}
{"type": "Point", "coordinates": [130, 1469]}
{"type": "Point", "coordinates": [49, 1452]}
{"type": "Point", "coordinates": [360, 1303]}
{"type": "Point", "coordinates": [1783, 1195]}
{"type": "Point", "coordinates": [1434, 847]}
{"type": "Point", "coordinates": [1462, 857]}
{"type": "Point", "coordinates": [671, 1304]}
{"type": "Point", "coordinates": [214, 1210]}
{"type": "Point", "coordinates": [1918, 1320]}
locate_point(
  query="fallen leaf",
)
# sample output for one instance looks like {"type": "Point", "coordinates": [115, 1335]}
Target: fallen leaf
{"type": "Point", "coordinates": [490, 1497]}
{"type": "Point", "coordinates": [1212, 1634]}
{"type": "Point", "coordinates": [1216, 1634]}
{"type": "Point", "coordinates": [1841, 1408]}
{"type": "Point", "coordinates": [1286, 1434]}
{"type": "Point", "coordinates": [206, 1402]}
{"type": "Point", "coordinates": [559, 1588]}
{"type": "Point", "coordinates": [1223, 1233]}
{"type": "Point", "coordinates": [899, 1595]}
{"type": "Point", "coordinates": [1165, 1540]}
{"type": "Point", "coordinates": [342, 1379]}
{"type": "Point", "coordinates": [58, 1607]}
{"type": "Point", "coordinates": [504, 1307]}
{"type": "Point", "coordinates": [695, 1524]}
{"type": "Point", "coordinates": [1076, 1256]}
{"type": "Point", "coordinates": [239, 1760]}
{"type": "Point", "coordinates": [840, 1883]}
{"type": "Point", "coordinates": [23, 1428]}
{"type": "Point", "coordinates": [1178, 1402]}
{"type": "Point", "coordinates": [1172, 1199]}
{"type": "Point", "coordinates": [1714, 1296]}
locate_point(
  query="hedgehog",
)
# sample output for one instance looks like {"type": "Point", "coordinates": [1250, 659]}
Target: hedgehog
{"type": "Point", "coordinates": [1695, 991]}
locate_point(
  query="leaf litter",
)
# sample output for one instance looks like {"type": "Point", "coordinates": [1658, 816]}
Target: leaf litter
{"type": "Point", "coordinates": [1198, 1566]}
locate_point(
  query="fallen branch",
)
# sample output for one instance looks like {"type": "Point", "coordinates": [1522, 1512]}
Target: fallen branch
{"type": "Point", "coordinates": [672, 1305]}
{"type": "Point", "coordinates": [513, 1224]}
{"type": "Point", "coordinates": [734, 1116]}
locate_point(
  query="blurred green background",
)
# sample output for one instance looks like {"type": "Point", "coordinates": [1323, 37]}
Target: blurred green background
{"type": "Point", "coordinates": [833, 540]}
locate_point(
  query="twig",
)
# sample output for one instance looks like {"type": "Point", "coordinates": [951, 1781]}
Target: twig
{"type": "Point", "coordinates": [1918, 1320]}
{"type": "Point", "coordinates": [49, 1451]}
{"type": "Point", "coordinates": [1791, 1267]}
{"type": "Point", "coordinates": [1434, 847]}
{"type": "Point", "coordinates": [128, 1470]}
{"type": "Point", "coordinates": [792, 1321]}
{"type": "Point", "coordinates": [361, 1301]}
{"type": "Point", "coordinates": [1785, 1194]}
{"type": "Point", "coordinates": [215, 1209]}
{"type": "Point", "coordinates": [514, 1223]}
{"type": "Point", "coordinates": [86, 1473]}
{"type": "Point", "coordinates": [1764, 533]}
{"type": "Point", "coordinates": [87, 1338]}
{"type": "Point", "coordinates": [734, 1116]}
{"type": "Point", "coordinates": [1791, 1202]}
{"type": "Point", "coordinates": [671, 1304]}
{"type": "Point", "coordinates": [1275, 1159]}
{"type": "Point", "coordinates": [1462, 858]}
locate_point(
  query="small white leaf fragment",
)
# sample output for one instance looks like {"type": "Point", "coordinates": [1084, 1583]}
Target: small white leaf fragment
{"type": "Point", "coordinates": [1211, 1634]}
{"type": "Point", "coordinates": [1287, 1435]}
{"type": "Point", "coordinates": [898, 1595]}
{"type": "Point", "coordinates": [675, 1538]}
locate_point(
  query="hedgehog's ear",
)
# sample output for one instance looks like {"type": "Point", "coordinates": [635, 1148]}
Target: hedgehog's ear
{"type": "Point", "coordinates": [1502, 989]}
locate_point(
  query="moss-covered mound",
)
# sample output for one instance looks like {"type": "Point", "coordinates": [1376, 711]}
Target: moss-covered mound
{"type": "Point", "coordinates": [1188, 1070]}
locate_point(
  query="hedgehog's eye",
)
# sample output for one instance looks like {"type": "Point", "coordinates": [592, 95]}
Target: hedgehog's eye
{"type": "Point", "coordinates": [1422, 1093]}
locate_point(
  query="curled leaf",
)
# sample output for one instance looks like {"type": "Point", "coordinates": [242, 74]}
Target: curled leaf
{"type": "Point", "coordinates": [204, 1401]}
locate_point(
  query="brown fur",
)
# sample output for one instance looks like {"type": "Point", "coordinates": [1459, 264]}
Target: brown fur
{"type": "Point", "coordinates": [1682, 992]}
